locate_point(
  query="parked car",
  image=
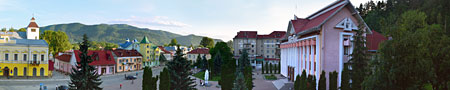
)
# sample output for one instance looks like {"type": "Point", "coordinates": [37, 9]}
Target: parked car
{"type": "Point", "coordinates": [62, 87]}
{"type": "Point", "coordinates": [130, 77]}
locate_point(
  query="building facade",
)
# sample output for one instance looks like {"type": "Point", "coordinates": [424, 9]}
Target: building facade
{"type": "Point", "coordinates": [259, 47]}
{"type": "Point", "coordinates": [127, 60]}
{"type": "Point", "coordinates": [192, 55]}
{"type": "Point", "coordinates": [21, 56]}
{"type": "Point", "coordinates": [102, 60]}
{"type": "Point", "coordinates": [321, 41]}
{"type": "Point", "coordinates": [62, 63]}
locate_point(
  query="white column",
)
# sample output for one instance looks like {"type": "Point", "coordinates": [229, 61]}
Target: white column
{"type": "Point", "coordinates": [313, 59]}
{"type": "Point", "coordinates": [307, 59]}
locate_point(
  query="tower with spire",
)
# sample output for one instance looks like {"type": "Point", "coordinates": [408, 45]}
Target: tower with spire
{"type": "Point", "coordinates": [33, 30]}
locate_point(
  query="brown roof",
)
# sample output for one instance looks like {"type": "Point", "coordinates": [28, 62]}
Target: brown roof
{"type": "Point", "coordinates": [199, 51]}
{"type": "Point", "coordinates": [374, 40]}
{"type": "Point", "coordinates": [246, 34]}
{"type": "Point", "coordinates": [64, 57]}
{"type": "Point", "coordinates": [164, 50]}
{"type": "Point", "coordinates": [274, 34]}
{"type": "Point", "coordinates": [32, 23]}
{"type": "Point", "coordinates": [126, 53]}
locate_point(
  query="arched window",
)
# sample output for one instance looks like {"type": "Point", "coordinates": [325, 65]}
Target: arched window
{"type": "Point", "coordinates": [34, 71]}
{"type": "Point", "coordinates": [24, 71]}
{"type": "Point", "coordinates": [15, 71]}
{"type": "Point", "coordinates": [42, 72]}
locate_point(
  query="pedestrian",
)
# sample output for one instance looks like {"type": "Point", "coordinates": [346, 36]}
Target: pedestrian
{"type": "Point", "coordinates": [136, 74]}
{"type": "Point", "coordinates": [120, 86]}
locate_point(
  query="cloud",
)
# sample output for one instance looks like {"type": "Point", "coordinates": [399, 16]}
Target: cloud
{"type": "Point", "coordinates": [156, 22]}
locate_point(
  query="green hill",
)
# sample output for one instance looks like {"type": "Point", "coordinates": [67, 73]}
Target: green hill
{"type": "Point", "coordinates": [117, 33]}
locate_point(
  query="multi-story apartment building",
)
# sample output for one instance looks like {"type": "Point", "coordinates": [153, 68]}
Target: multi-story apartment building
{"type": "Point", "coordinates": [259, 47]}
{"type": "Point", "coordinates": [127, 60]}
{"type": "Point", "coordinates": [23, 54]}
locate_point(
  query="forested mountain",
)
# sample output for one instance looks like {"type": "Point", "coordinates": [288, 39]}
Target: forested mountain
{"type": "Point", "coordinates": [117, 33]}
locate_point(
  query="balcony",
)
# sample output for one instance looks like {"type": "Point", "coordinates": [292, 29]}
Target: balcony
{"type": "Point", "coordinates": [34, 62]}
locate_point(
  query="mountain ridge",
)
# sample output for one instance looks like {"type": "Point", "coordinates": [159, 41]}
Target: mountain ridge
{"type": "Point", "coordinates": [118, 33]}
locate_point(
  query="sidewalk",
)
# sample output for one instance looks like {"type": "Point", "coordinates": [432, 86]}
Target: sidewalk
{"type": "Point", "coordinates": [58, 76]}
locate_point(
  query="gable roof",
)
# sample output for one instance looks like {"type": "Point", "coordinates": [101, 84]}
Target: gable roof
{"type": "Point", "coordinates": [317, 19]}
{"type": "Point", "coordinates": [64, 57]}
{"type": "Point", "coordinates": [374, 40]}
{"type": "Point", "coordinates": [105, 57]}
{"type": "Point", "coordinates": [126, 53]}
{"type": "Point", "coordinates": [199, 51]}
{"type": "Point", "coordinates": [164, 50]}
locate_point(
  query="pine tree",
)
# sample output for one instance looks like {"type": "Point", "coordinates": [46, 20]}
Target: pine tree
{"type": "Point", "coordinates": [297, 83]}
{"type": "Point", "coordinates": [303, 81]}
{"type": "Point", "coordinates": [180, 73]}
{"type": "Point", "coordinates": [245, 67]}
{"type": "Point", "coordinates": [323, 82]}
{"type": "Point", "coordinates": [333, 80]}
{"type": "Point", "coordinates": [164, 80]}
{"type": "Point", "coordinates": [345, 81]}
{"type": "Point", "coordinates": [359, 60]}
{"type": "Point", "coordinates": [217, 64]}
{"type": "Point", "coordinates": [239, 83]}
{"type": "Point", "coordinates": [149, 82]}
{"type": "Point", "coordinates": [84, 76]}
{"type": "Point", "coordinates": [199, 62]}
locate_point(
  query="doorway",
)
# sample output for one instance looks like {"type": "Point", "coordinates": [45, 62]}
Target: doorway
{"type": "Point", "coordinates": [103, 71]}
{"type": "Point", "coordinates": [15, 71]}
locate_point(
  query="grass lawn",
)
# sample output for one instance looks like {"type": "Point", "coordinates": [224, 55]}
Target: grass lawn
{"type": "Point", "coordinates": [270, 77]}
{"type": "Point", "coordinates": [201, 75]}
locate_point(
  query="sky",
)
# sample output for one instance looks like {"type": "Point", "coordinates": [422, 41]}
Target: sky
{"type": "Point", "coordinates": [219, 19]}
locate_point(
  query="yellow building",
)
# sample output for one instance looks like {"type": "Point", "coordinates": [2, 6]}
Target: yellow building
{"type": "Point", "coordinates": [23, 57]}
{"type": "Point", "coordinates": [146, 51]}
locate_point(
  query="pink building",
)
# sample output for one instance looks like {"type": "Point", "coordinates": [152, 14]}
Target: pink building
{"type": "Point", "coordinates": [103, 61]}
{"type": "Point", "coordinates": [321, 41]}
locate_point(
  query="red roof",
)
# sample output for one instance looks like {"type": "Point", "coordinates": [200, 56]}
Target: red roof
{"type": "Point", "coordinates": [199, 51]}
{"type": "Point", "coordinates": [99, 57]}
{"type": "Point", "coordinates": [126, 53]}
{"type": "Point", "coordinates": [302, 24]}
{"type": "Point", "coordinates": [64, 57]}
{"type": "Point", "coordinates": [274, 34]}
{"type": "Point", "coordinates": [246, 34]}
{"type": "Point", "coordinates": [50, 65]}
{"type": "Point", "coordinates": [374, 40]}
{"type": "Point", "coordinates": [32, 23]}
{"type": "Point", "coordinates": [164, 50]}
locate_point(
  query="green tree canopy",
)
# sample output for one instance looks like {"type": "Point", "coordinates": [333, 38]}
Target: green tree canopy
{"type": "Point", "coordinates": [207, 42]}
{"type": "Point", "coordinates": [173, 42]}
{"type": "Point", "coordinates": [57, 41]}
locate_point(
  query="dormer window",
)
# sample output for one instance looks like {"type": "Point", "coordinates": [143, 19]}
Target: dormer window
{"type": "Point", "coordinates": [347, 24]}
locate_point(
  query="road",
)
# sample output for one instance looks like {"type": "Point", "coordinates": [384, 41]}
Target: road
{"type": "Point", "coordinates": [109, 81]}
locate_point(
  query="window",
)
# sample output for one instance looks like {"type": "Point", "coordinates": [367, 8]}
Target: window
{"type": "Point", "coordinates": [267, 56]}
{"type": "Point", "coordinates": [34, 57]}
{"type": "Point", "coordinates": [268, 45]}
{"type": "Point", "coordinates": [24, 57]}
{"type": "Point", "coordinates": [127, 61]}
{"type": "Point", "coordinates": [42, 58]}
{"type": "Point", "coordinates": [148, 46]}
{"type": "Point", "coordinates": [148, 52]}
{"type": "Point", "coordinates": [253, 45]}
{"type": "Point", "coordinates": [267, 51]}
{"type": "Point", "coordinates": [134, 66]}
{"type": "Point", "coordinates": [6, 56]}
{"type": "Point", "coordinates": [134, 60]}
{"type": "Point", "coordinates": [33, 30]}
{"type": "Point", "coordinates": [16, 57]}
{"type": "Point", "coordinates": [111, 69]}
{"type": "Point", "coordinates": [120, 68]}
{"type": "Point", "coordinates": [253, 51]}
{"type": "Point", "coordinates": [120, 61]}
{"type": "Point", "coordinates": [346, 50]}
{"type": "Point", "coordinates": [273, 45]}
{"type": "Point", "coordinates": [273, 51]}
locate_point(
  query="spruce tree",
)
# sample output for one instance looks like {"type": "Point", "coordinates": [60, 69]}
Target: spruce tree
{"type": "Point", "coordinates": [270, 68]}
{"type": "Point", "coordinates": [199, 62]}
{"type": "Point", "coordinates": [323, 82]}
{"type": "Point", "coordinates": [228, 74]}
{"type": "Point", "coordinates": [359, 60]}
{"type": "Point", "coordinates": [205, 63]}
{"type": "Point", "coordinates": [279, 68]}
{"type": "Point", "coordinates": [303, 81]}
{"type": "Point", "coordinates": [239, 83]}
{"type": "Point", "coordinates": [267, 67]}
{"type": "Point", "coordinates": [217, 64]}
{"type": "Point", "coordinates": [345, 81]}
{"type": "Point", "coordinates": [262, 68]}
{"type": "Point", "coordinates": [164, 80]}
{"type": "Point", "coordinates": [180, 73]}
{"type": "Point", "coordinates": [333, 80]}
{"type": "Point", "coordinates": [248, 77]}
{"type": "Point", "coordinates": [245, 67]}
{"type": "Point", "coordinates": [149, 82]}
{"type": "Point", "coordinates": [84, 76]}
{"type": "Point", "coordinates": [297, 83]}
